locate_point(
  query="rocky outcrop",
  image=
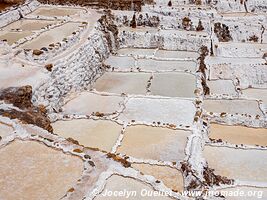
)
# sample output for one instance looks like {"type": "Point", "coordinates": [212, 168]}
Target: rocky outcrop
{"type": "Point", "coordinates": [23, 109]}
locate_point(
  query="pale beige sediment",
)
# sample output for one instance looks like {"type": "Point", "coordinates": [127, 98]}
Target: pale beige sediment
{"type": "Point", "coordinates": [52, 36]}
{"type": "Point", "coordinates": [239, 134]}
{"type": "Point", "coordinates": [160, 65]}
{"type": "Point", "coordinates": [128, 83]}
{"type": "Point", "coordinates": [99, 134]}
{"type": "Point", "coordinates": [121, 63]}
{"type": "Point", "coordinates": [176, 54]}
{"type": "Point", "coordinates": [30, 170]}
{"type": "Point", "coordinates": [244, 165]}
{"type": "Point", "coordinates": [260, 94]}
{"type": "Point", "coordinates": [172, 111]}
{"type": "Point", "coordinates": [173, 84]}
{"type": "Point", "coordinates": [56, 11]}
{"type": "Point", "coordinates": [12, 37]}
{"type": "Point", "coordinates": [28, 24]}
{"type": "Point", "coordinates": [154, 143]}
{"type": "Point", "coordinates": [171, 177]}
{"type": "Point", "coordinates": [136, 52]}
{"type": "Point", "coordinates": [222, 87]}
{"type": "Point", "coordinates": [249, 107]}
{"type": "Point", "coordinates": [87, 103]}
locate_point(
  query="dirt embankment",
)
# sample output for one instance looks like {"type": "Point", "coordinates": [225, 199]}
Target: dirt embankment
{"type": "Point", "coordinates": [24, 110]}
{"type": "Point", "coordinates": [105, 4]}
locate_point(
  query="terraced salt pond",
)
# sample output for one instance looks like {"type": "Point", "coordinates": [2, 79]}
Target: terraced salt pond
{"type": "Point", "coordinates": [173, 85]}
{"type": "Point", "coordinates": [22, 28]}
{"type": "Point", "coordinates": [87, 103]}
{"type": "Point", "coordinates": [28, 24]}
{"type": "Point", "coordinates": [52, 36]}
{"type": "Point", "coordinates": [250, 165]}
{"type": "Point", "coordinates": [136, 52]}
{"type": "Point", "coordinates": [160, 65]}
{"type": "Point", "coordinates": [120, 63]}
{"type": "Point", "coordinates": [240, 49]}
{"type": "Point", "coordinates": [260, 94]}
{"type": "Point", "coordinates": [158, 53]}
{"type": "Point", "coordinates": [35, 171]}
{"type": "Point", "coordinates": [56, 11]}
{"type": "Point", "coordinates": [142, 110]}
{"type": "Point", "coordinates": [239, 134]}
{"type": "Point", "coordinates": [128, 83]}
{"type": "Point", "coordinates": [162, 84]}
{"type": "Point", "coordinates": [154, 143]}
{"type": "Point", "coordinates": [16, 76]}
{"type": "Point", "coordinates": [12, 37]}
{"type": "Point", "coordinates": [171, 177]}
{"type": "Point", "coordinates": [176, 54]}
{"type": "Point", "coordinates": [222, 87]}
{"type": "Point", "coordinates": [128, 63]}
{"type": "Point", "coordinates": [249, 107]}
{"type": "Point", "coordinates": [98, 134]}
{"type": "Point", "coordinates": [168, 111]}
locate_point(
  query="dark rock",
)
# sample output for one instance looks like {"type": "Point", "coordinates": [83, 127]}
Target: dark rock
{"type": "Point", "coordinates": [44, 49]}
{"type": "Point", "coordinates": [49, 67]}
{"type": "Point", "coordinates": [37, 52]}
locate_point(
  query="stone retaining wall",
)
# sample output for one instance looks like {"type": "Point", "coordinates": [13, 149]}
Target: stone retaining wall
{"type": "Point", "coordinates": [77, 71]}
{"type": "Point", "coordinates": [16, 13]}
